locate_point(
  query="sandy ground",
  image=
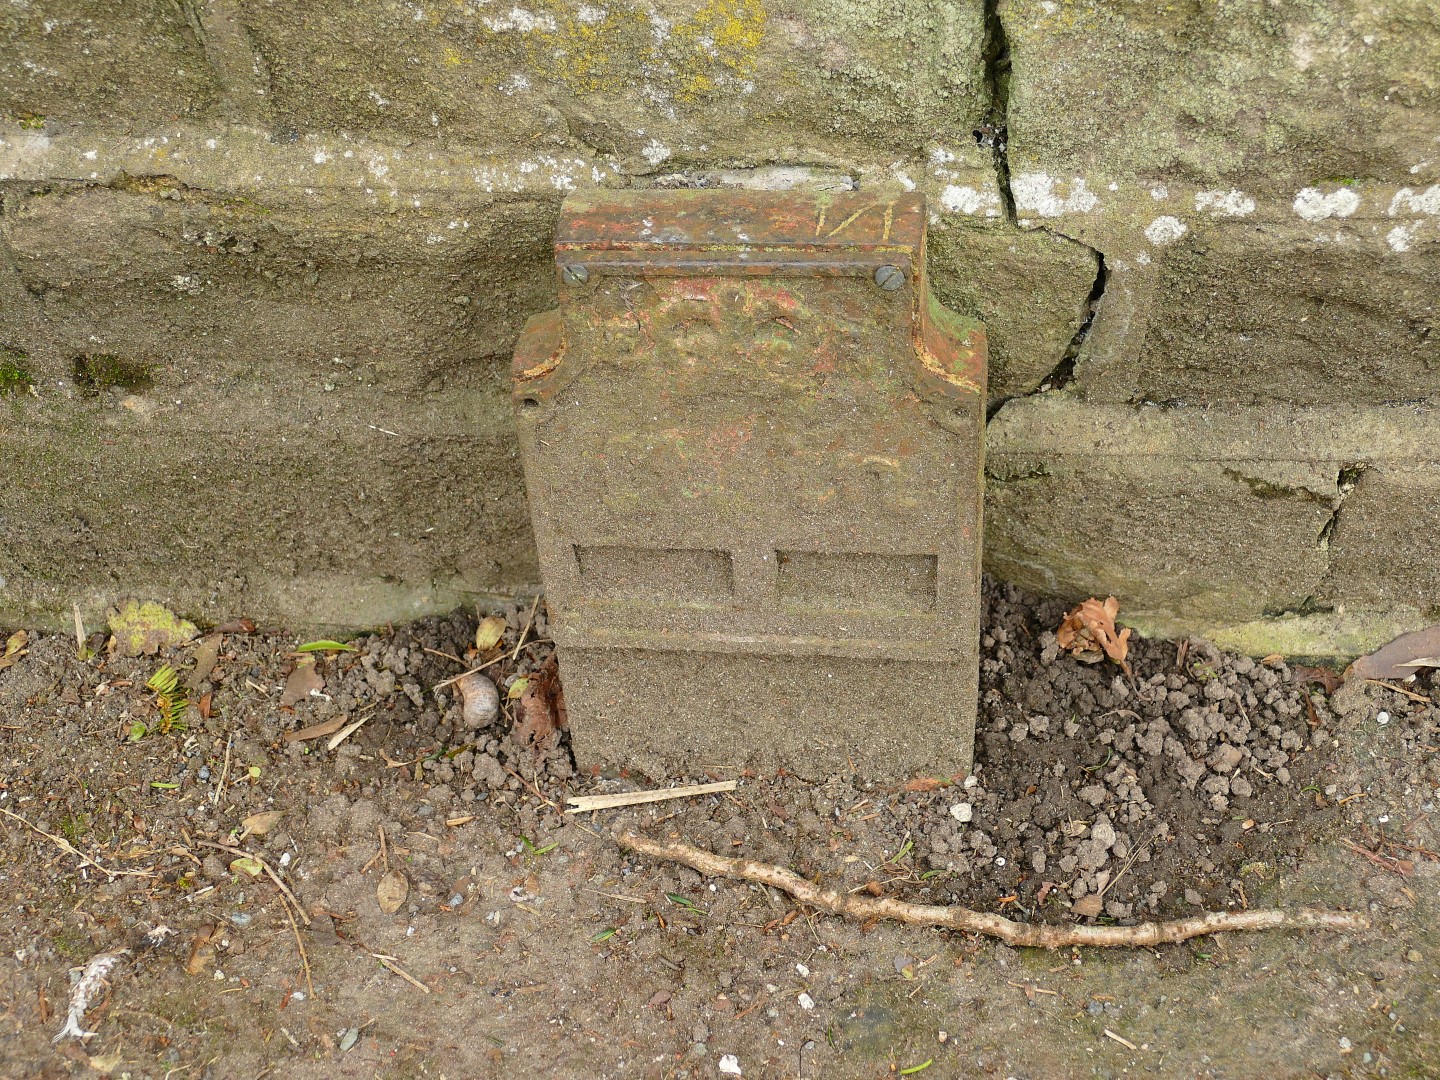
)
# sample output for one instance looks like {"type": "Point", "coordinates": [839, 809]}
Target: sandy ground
{"type": "Point", "coordinates": [456, 924]}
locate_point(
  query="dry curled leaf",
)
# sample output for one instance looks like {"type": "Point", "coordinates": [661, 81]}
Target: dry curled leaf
{"type": "Point", "coordinates": [489, 633]}
{"type": "Point", "coordinates": [207, 654]}
{"type": "Point", "coordinates": [392, 892]}
{"type": "Point", "coordinates": [1089, 906]}
{"type": "Point", "coordinates": [315, 731]}
{"type": "Point", "coordinates": [14, 648]}
{"type": "Point", "coordinates": [540, 713]}
{"type": "Point", "coordinates": [261, 823]}
{"type": "Point", "coordinates": [1401, 658]}
{"type": "Point", "coordinates": [303, 679]}
{"type": "Point", "coordinates": [1329, 681]}
{"type": "Point", "coordinates": [202, 950]}
{"type": "Point", "coordinates": [1089, 633]}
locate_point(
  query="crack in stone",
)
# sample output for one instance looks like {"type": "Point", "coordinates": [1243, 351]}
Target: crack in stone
{"type": "Point", "coordinates": [993, 131]}
{"type": "Point", "coordinates": [1345, 483]}
{"type": "Point", "coordinates": [1063, 373]}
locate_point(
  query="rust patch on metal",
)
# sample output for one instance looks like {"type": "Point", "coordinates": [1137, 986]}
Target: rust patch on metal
{"type": "Point", "coordinates": [752, 445]}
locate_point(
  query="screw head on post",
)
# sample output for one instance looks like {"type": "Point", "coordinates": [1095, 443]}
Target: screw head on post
{"type": "Point", "coordinates": [574, 275]}
{"type": "Point", "coordinates": [890, 278]}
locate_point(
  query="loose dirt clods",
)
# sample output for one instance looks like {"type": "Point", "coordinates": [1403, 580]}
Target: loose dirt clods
{"type": "Point", "coordinates": [1208, 782]}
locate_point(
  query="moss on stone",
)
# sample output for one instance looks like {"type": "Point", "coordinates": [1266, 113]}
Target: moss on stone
{"type": "Point", "coordinates": [14, 371]}
{"type": "Point", "coordinates": [106, 371]}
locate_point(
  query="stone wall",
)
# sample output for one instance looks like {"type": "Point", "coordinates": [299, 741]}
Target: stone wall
{"type": "Point", "coordinates": [262, 263]}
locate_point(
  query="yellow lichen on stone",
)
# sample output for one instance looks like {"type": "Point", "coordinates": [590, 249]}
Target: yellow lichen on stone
{"type": "Point", "coordinates": [592, 50]}
{"type": "Point", "coordinates": [729, 33]}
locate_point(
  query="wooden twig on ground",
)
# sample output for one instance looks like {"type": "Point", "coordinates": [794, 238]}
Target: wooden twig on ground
{"type": "Point", "coordinates": [579, 804]}
{"type": "Point", "coordinates": [1402, 691]}
{"type": "Point", "coordinates": [1039, 935]}
{"type": "Point", "coordinates": [520, 643]}
{"type": "Point", "coordinates": [287, 901]}
{"type": "Point", "coordinates": [390, 964]}
{"type": "Point", "coordinates": [269, 870]}
{"type": "Point", "coordinates": [472, 671]}
{"type": "Point", "coordinates": [299, 944]}
{"type": "Point", "coordinates": [70, 849]}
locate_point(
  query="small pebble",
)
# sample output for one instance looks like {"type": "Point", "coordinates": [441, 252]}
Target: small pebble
{"type": "Point", "coordinates": [805, 1002]}
{"type": "Point", "coordinates": [349, 1039]}
{"type": "Point", "coordinates": [802, 971]}
{"type": "Point", "coordinates": [1344, 1043]}
{"type": "Point", "coordinates": [962, 812]}
{"type": "Point", "coordinates": [730, 1065]}
{"type": "Point", "coordinates": [1382, 718]}
{"type": "Point", "coordinates": [240, 919]}
{"type": "Point", "coordinates": [1414, 956]}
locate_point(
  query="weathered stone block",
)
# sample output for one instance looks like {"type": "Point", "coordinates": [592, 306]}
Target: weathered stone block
{"type": "Point", "coordinates": [1166, 534]}
{"type": "Point", "coordinates": [204, 292]}
{"type": "Point", "coordinates": [1383, 549]}
{"type": "Point", "coordinates": [278, 505]}
{"type": "Point", "coordinates": [1269, 528]}
{"type": "Point", "coordinates": [752, 448]}
{"type": "Point", "coordinates": [1243, 315]}
{"type": "Point", "coordinates": [101, 64]}
{"type": "Point", "coordinates": [654, 82]}
{"type": "Point", "coordinates": [1258, 94]}
{"type": "Point", "coordinates": [1091, 500]}
{"type": "Point", "coordinates": [1030, 289]}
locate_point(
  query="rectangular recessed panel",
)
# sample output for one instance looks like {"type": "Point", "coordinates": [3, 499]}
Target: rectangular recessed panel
{"type": "Point", "coordinates": [678, 575]}
{"type": "Point", "coordinates": [857, 581]}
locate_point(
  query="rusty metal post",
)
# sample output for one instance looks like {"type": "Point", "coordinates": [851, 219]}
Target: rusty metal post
{"type": "Point", "coordinates": [752, 445]}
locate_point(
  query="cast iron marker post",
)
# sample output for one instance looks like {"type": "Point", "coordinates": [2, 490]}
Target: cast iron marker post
{"type": "Point", "coordinates": [752, 444]}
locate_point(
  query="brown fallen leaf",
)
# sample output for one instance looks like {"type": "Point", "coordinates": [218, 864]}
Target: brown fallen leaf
{"type": "Point", "coordinates": [392, 892]}
{"type": "Point", "coordinates": [540, 713]}
{"type": "Point", "coordinates": [202, 952]}
{"type": "Point", "coordinates": [1088, 906]}
{"type": "Point", "coordinates": [237, 626]}
{"type": "Point", "coordinates": [261, 823]}
{"type": "Point", "coordinates": [106, 1064]}
{"type": "Point", "coordinates": [14, 648]}
{"type": "Point", "coordinates": [143, 629]}
{"type": "Point", "coordinates": [489, 633]}
{"type": "Point", "coordinates": [303, 679]}
{"type": "Point", "coordinates": [206, 654]}
{"type": "Point", "coordinates": [315, 731]}
{"type": "Point", "coordinates": [1329, 680]}
{"type": "Point", "coordinates": [1088, 632]}
{"type": "Point", "coordinates": [1401, 658]}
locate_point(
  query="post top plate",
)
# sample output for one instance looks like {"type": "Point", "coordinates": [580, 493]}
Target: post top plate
{"type": "Point", "coordinates": [710, 221]}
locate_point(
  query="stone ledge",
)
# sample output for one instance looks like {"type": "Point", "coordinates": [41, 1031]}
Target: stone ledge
{"type": "Point", "coordinates": [1286, 529]}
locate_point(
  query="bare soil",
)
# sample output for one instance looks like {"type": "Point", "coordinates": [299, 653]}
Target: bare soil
{"type": "Point", "coordinates": [536, 947]}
